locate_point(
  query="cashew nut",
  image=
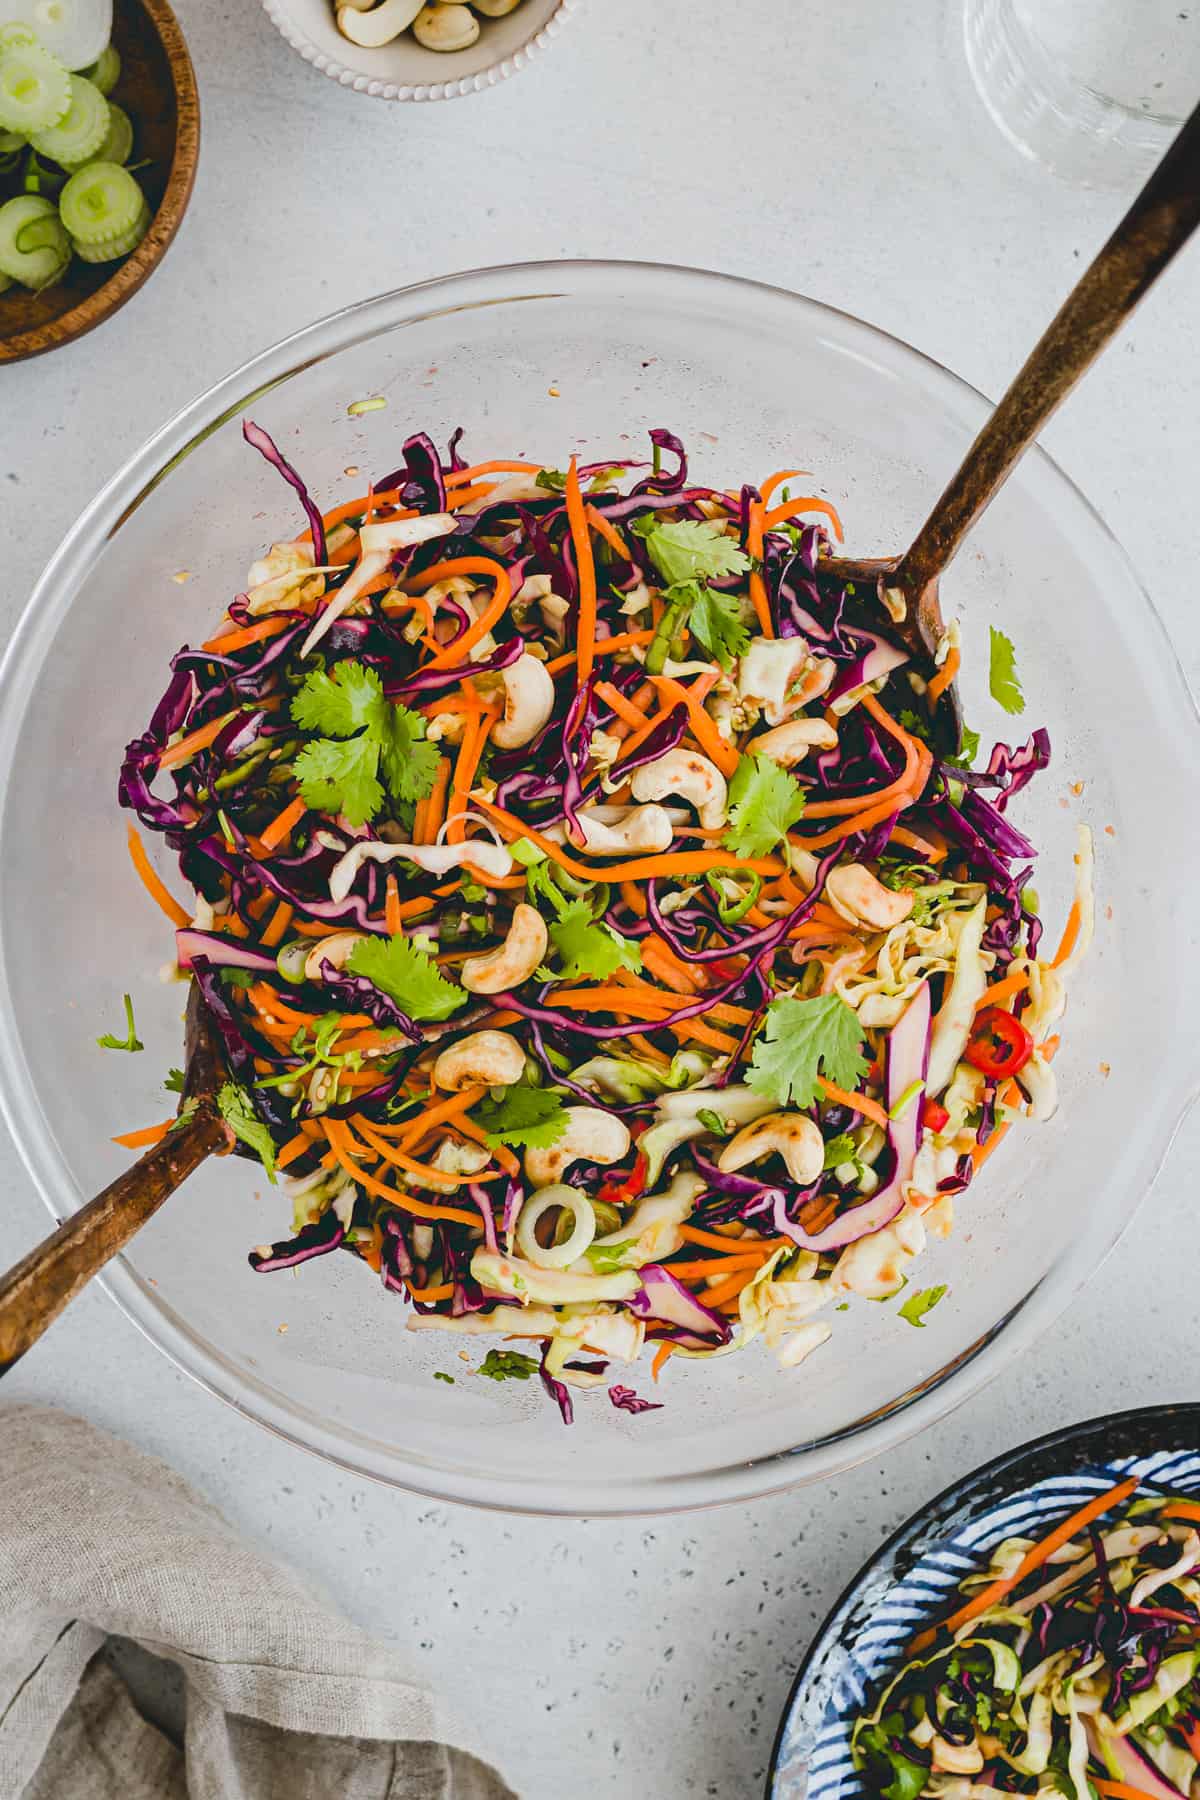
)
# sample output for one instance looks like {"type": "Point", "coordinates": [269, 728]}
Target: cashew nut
{"type": "Point", "coordinates": [380, 25]}
{"type": "Point", "coordinates": [511, 962]}
{"type": "Point", "coordinates": [441, 27]}
{"type": "Point", "coordinates": [528, 702]}
{"type": "Point", "coordinates": [495, 9]}
{"type": "Point", "coordinates": [435, 859]}
{"type": "Point", "coordinates": [855, 894]}
{"type": "Point", "coordinates": [591, 1136]}
{"type": "Point", "coordinates": [487, 1058]}
{"type": "Point", "coordinates": [874, 1266]}
{"type": "Point", "coordinates": [789, 744]}
{"type": "Point", "coordinates": [334, 949]}
{"type": "Point", "coordinates": [767, 671]}
{"type": "Point", "coordinates": [790, 1135]}
{"type": "Point", "coordinates": [686, 773]}
{"type": "Point", "coordinates": [644, 828]}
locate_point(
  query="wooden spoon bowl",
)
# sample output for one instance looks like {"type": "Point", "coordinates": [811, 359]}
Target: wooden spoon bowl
{"type": "Point", "coordinates": [157, 88]}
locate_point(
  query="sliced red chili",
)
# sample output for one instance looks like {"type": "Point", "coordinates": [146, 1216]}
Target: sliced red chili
{"type": "Point", "coordinates": [619, 1190]}
{"type": "Point", "coordinates": [934, 1116]}
{"type": "Point", "coordinates": [999, 1044]}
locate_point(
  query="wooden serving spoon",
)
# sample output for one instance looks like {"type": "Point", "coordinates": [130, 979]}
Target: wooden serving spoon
{"type": "Point", "coordinates": [34, 1292]}
{"type": "Point", "coordinates": [1157, 225]}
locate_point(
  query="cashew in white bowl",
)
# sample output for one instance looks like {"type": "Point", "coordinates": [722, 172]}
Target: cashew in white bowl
{"type": "Point", "coordinates": [484, 1058]}
{"type": "Point", "coordinates": [855, 894]}
{"type": "Point", "coordinates": [789, 744]}
{"type": "Point", "coordinates": [446, 28]}
{"type": "Point", "coordinates": [790, 1135]}
{"type": "Point", "coordinates": [378, 26]}
{"type": "Point", "coordinates": [686, 773]}
{"type": "Point", "coordinates": [647, 829]}
{"type": "Point", "coordinates": [334, 949]}
{"type": "Point", "coordinates": [591, 1136]}
{"type": "Point", "coordinates": [528, 702]}
{"type": "Point", "coordinates": [513, 961]}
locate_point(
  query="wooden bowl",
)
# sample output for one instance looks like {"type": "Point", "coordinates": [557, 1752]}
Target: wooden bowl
{"type": "Point", "coordinates": [158, 90]}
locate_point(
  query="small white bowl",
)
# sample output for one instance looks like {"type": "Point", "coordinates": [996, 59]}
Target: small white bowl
{"type": "Point", "coordinates": [404, 69]}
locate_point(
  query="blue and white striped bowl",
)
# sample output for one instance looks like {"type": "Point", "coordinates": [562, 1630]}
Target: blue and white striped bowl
{"type": "Point", "coordinates": [909, 1582]}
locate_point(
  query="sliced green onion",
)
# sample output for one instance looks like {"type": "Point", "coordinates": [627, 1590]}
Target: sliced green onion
{"type": "Point", "coordinates": [10, 141]}
{"type": "Point", "coordinates": [35, 91]}
{"type": "Point", "coordinates": [732, 911]}
{"type": "Point", "coordinates": [118, 144]}
{"type": "Point", "coordinates": [105, 72]}
{"type": "Point", "coordinates": [290, 961]}
{"type": "Point", "coordinates": [34, 248]}
{"type": "Point", "coordinates": [112, 248]}
{"type": "Point", "coordinates": [17, 36]}
{"type": "Point", "coordinates": [906, 1099]}
{"type": "Point", "coordinates": [375, 404]}
{"type": "Point", "coordinates": [101, 202]}
{"type": "Point", "coordinates": [78, 135]}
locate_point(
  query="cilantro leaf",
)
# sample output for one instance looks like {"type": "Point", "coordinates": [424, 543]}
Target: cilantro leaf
{"type": "Point", "coordinates": [531, 1116]}
{"type": "Point", "coordinates": [131, 1040]}
{"type": "Point", "coordinates": [1002, 672]}
{"type": "Point", "coordinates": [407, 975]}
{"type": "Point", "coordinates": [923, 1301]}
{"type": "Point", "coordinates": [764, 801]}
{"type": "Point", "coordinates": [553, 480]}
{"type": "Point", "coordinates": [339, 704]}
{"type": "Point", "coordinates": [341, 777]}
{"type": "Point", "coordinates": [589, 949]}
{"type": "Point", "coordinates": [174, 1082]}
{"type": "Point", "coordinates": [716, 622]}
{"type": "Point", "coordinates": [802, 1039]}
{"type": "Point", "coordinates": [409, 762]}
{"type": "Point", "coordinates": [839, 1150]}
{"type": "Point", "coordinates": [968, 750]}
{"type": "Point", "coordinates": [237, 1110]}
{"type": "Point", "coordinates": [507, 1365]}
{"type": "Point", "coordinates": [690, 549]}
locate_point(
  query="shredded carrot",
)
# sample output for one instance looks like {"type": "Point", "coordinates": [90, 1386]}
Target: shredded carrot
{"type": "Point", "coordinates": [393, 918]}
{"type": "Point", "coordinates": [452, 654]}
{"type": "Point", "coordinates": [704, 1266]}
{"type": "Point", "coordinates": [1000, 991]}
{"type": "Point", "coordinates": [810, 503]}
{"type": "Point", "coordinates": [945, 675]}
{"type": "Point", "coordinates": [278, 924]}
{"type": "Point", "coordinates": [620, 705]}
{"type": "Point", "coordinates": [682, 862]}
{"type": "Point", "coordinates": [1182, 1509]}
{"type": "Point", "coordinates": [710, 739]}
{"type": "Point", "coordinates": [467, 496]}
{"type": "Point", "coordinates": [464, 477]}
{"type": "Point", "coordinates": [870, 1109]}
{"type": "Point", "coordinates": [150, 881]}
{"type": "Point", "coordinates": [1070, 933]}
{"type": "Point", "coordinates": [703, 1034]}
{"type": "Point", "coordinates": [451, 1108]}
{"type": "Point", "coordinates": [466, 763]}
{"type": "Point", "coordinates": [295, 1147]}
{"type": "Point", "coordinates": [435, 804]}
{"type": "Point", "coordinates": [656, 958]}
{"type": "Point", "coordinates": [661, 1356]}
{"type": "Point", "coordinates": [149, 1134]}
{"type": "Point", "coordinates": [827, 809]}
{"type": "Point", "coordinates": [758, 587]}
{"type": "Point", "coordinates": [238, 638]}
{"type": "Point", "coordinates": [1118, 1790]}
{"type": "Point", "coordinates": [186, 747]}
{"type": "Point", "coordinates": [427, 1295]}
{"type": "Point", "coordinates": [1033, 1559]}
{"type": "Point", "coordinates": [281, 828]}
{"type": "Point", "coordinates": [585, 574]}
{"type": "Point", "coordinates": [624, 640]}
{"type": "Point", "coordinates": [726, 1290]}
{"type": "Point", "coordinates": [767, 487]}
{"type": "Point", "coordinates": [609, 533]}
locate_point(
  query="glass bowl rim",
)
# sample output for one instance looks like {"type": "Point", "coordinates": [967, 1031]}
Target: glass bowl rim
{"type": "Point", "coordinates": [50, 602]}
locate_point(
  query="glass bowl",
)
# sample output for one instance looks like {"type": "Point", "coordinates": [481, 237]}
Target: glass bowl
{"type": "Point", "coordinates": [540, 361]}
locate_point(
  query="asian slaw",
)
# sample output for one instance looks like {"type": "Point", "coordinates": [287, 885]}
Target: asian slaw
{"type": "Point", "coordinates": [599, 947]}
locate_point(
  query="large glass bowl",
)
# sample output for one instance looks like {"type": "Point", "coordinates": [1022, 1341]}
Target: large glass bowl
{"type": "Point", "coordinates": [540, 361]}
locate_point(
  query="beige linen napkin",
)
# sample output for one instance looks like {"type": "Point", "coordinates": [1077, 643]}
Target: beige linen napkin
{"type": "Point", "coordinates": [285, 1700]}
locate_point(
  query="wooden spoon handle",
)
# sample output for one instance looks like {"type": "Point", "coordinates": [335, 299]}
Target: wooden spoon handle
{"type": "Point", "coordinates": [1157, 225]}
{"type": "Point", "coordinates": [34, 1292]}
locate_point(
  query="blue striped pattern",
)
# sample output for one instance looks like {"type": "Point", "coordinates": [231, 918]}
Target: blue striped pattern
{"type": "Point", "coordinates": [814, 1754]}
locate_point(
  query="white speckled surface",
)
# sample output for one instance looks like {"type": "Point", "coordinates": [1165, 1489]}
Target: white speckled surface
{"type": "Point", "coordinates": [828, 148]}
